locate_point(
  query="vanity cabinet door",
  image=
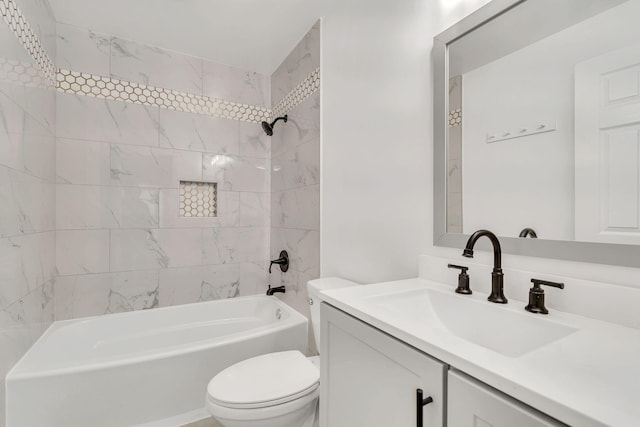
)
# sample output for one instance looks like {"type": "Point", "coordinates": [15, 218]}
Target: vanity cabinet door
{"type": "Point", "coordinates": [369, 379]}
{"type": "Point", "coordinates": [471, 403]}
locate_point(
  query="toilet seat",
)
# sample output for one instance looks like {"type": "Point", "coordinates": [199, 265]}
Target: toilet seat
{"type": "Point", "coordinates": [262, 381]}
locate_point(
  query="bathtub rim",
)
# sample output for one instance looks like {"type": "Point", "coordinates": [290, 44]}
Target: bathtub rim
{"type": "Point", "coordinates": [295, 319]}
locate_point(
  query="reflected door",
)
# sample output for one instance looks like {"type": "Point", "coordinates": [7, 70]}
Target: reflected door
{"type": "Point", "coordinates": [607, 147]}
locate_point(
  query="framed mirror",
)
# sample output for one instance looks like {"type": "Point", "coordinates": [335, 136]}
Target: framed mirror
{"type": "Point", "coordinates": [537, 129]}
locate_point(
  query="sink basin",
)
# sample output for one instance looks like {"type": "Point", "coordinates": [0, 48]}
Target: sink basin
{"type": "Point", "coordinates": [498, 328]}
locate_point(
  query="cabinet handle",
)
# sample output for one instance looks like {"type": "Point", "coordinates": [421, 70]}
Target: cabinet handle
{"type": "Point", "coordinates": [420, 402]}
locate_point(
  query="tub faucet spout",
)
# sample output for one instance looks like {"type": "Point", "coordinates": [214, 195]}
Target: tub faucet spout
{"type": "Point", "coordinates": [272, 291]}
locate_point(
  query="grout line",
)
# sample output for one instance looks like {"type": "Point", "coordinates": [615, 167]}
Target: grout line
{"type": "Point", "coordinates": [16, 236]}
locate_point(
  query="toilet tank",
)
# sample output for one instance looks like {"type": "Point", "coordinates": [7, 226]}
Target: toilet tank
{"type": "Point", "coordinates": [314, 287]}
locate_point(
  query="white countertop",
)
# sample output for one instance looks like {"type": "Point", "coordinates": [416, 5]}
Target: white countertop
{"type": "Point", "coordinates": [588, 378]}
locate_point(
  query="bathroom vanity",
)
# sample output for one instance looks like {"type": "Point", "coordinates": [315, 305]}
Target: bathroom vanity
{"type": "Point", "coordinates": [482, 364]}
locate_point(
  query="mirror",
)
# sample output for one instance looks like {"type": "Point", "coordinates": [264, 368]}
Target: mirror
{"type": "Point", "coordinates": [537, 129]}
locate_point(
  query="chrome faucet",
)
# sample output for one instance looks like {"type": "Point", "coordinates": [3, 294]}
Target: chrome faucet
{"type": "Point", "coordinates": [497, 277]}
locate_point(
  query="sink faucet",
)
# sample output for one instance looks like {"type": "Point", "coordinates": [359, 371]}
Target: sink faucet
{"type": "Point", "coordinates": [497, 282]}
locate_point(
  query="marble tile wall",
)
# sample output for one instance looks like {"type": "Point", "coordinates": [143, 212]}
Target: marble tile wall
{"type": "Point", "coordinates": [27, 191]}
{"type": "Point", "coordinates": [295, 177]}
{"type": "Point", "coordinates": [120, 241]}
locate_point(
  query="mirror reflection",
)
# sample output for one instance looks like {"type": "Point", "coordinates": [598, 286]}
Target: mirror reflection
{"type": "Point", "coordinates": [544, 123]}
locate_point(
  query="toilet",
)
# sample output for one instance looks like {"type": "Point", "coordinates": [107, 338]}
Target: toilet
{"type": "Point", "coordinates": [275, 389]}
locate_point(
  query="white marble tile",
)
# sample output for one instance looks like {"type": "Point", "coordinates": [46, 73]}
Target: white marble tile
{"type": "Point", "coordinates": [297, 208]}
{"type": "Point", "coordinates": [38, 102]}
{"type": "Point", "coordinates": [86, 207]}
{"type": "Point", "coordinates": [12, 116]}
{"type": "Point", "coordinates": [22, 322]}
{"type": "Point", "coordinates": [195, 132]}
{"type": "Point", "coordinates": [197, 284]}
{"type": "Point", "coordinates": [24, 144]}
{"type": "Point", "coordinates": [228, 211]}
{"type": "Point", "coordinates": [303, 247]}
{"type": "Point", "coordinates": [82, 251]}
{"type": "Point", "coordinates": [96, 294]}
{"type": "Point", "coordinates": [303, 60]}
{"type": "Point", "coordinates": [254, 209]}
{"type": "Point", "coordinates": [82, 162]}
{"type": "Point", "coordinates": [254, 278]}
{"type": "Point", "coordinates": [38, 152]}
{"type": "Point", "coordinates": [80, 49]}
{"type": "Point", "coordinates": [234, 173]}
{"type": "Point", "coordinates": [26, 262]}
{"type": "Point", "coordinates": [253, 141]}
{"type": "Point", "coordinates": [303, 126]}
{"type": "Point", "coordinates": [159, 248]}
{"type": "Point", "coordinates": [229, 245]}
{"type": "Point", "coordinates": [153, 167]}
{"type": "Point", "coordinates": [233, 84]}
{"type": "Point", "coordinates": [299, 167]}
{"type": "Point", "coordinates": [26, 203]}
{"type": "Point", "coordinates": [154, 66]}
{"type": "Point", "coordinates": [84, 117]}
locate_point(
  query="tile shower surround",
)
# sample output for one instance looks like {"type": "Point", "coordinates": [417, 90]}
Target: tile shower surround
{"type": "Point", "coordinates": [295, 174]}
{"type": "Point", "coordinates": [121, 204]}
{"type": "Point", "coordinates": [27, 185]}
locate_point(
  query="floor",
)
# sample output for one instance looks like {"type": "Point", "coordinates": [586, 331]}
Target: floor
{"type": "Point", "coordinates": [207, 422]}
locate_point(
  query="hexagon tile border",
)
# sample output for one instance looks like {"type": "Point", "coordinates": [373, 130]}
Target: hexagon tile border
{"type": "Point", "coordinates": [119, 90]}
{"type": "Point", "coordinates": [16, 21]}
{"type": "Point", "coordinates": [78, 83]}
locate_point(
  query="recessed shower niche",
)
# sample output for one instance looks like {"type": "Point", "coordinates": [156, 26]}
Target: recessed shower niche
{"type": "Point", "coordinates": [198, 199]}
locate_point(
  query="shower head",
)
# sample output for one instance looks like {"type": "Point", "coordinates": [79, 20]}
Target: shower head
{"type": "Point", "coordinates": [268, 127]}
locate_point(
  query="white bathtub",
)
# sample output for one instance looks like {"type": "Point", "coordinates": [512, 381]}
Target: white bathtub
{"type": "Point", "coordinates": [138, 368]}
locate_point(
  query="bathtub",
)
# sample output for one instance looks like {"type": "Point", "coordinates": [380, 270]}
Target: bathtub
{"type": "Point", "coordinates": [144, 367]}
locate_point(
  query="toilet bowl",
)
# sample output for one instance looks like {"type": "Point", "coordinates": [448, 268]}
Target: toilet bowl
{"type": "Point", "coordinates": [260, 392]}
{"type": "Point", "coordinates": [275, 389]}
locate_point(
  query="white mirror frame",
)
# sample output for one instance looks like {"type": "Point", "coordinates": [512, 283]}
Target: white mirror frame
{"type": "Point", "coordinates": [601, 253]}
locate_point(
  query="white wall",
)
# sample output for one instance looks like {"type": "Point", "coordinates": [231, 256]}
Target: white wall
{"type": "Point", "coordinates": [377, 180]}
{"type": "Point", "coordinates": [376, 196]}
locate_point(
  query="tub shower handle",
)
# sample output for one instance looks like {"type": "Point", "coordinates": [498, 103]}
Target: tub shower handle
{"type": "Point", "coordinates": [283, 262]}
{"type": "Point", "coordinates": [421, 401]}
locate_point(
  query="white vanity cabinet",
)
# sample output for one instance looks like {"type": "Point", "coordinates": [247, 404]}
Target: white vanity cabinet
{"type": "Point", "coordinates": [474, 404]}
{"type": "Point", "coordinates": [369, 379]}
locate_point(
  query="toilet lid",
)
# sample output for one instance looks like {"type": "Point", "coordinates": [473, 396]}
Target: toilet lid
{"type": "Point", "coordinates": [265, 380]}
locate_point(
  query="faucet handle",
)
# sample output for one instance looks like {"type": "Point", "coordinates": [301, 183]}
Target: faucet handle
{"type": "Point", "coordinates": [459, 267]}
{"type": "Point", "coordinates": [536, 295]}
{"type": "Point", "coordinates": [463, 279]}
{"type": "Point", "coordinates": [538, 282]}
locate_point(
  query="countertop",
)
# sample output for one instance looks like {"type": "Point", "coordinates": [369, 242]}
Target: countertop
{"type": "Point", "coordinates": [588, 378]}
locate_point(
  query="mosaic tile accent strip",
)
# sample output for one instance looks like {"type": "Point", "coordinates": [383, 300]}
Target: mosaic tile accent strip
{"type": "Point", "coordinates": [107, 88]}
{"type": "Point", "coordinates": [23, 31]}
{"type": "Point", "coordinates": [297, 95]}
{"type": "Point", "coordinates": [198, 199]}
{"type": "Point", "coordinates": [455, 117]}
{"type": "Point", "coordinates": [78, 83]}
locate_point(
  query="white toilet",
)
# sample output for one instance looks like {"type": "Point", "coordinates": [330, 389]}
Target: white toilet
{"type": "Point", "coordinates": [275, 389]}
